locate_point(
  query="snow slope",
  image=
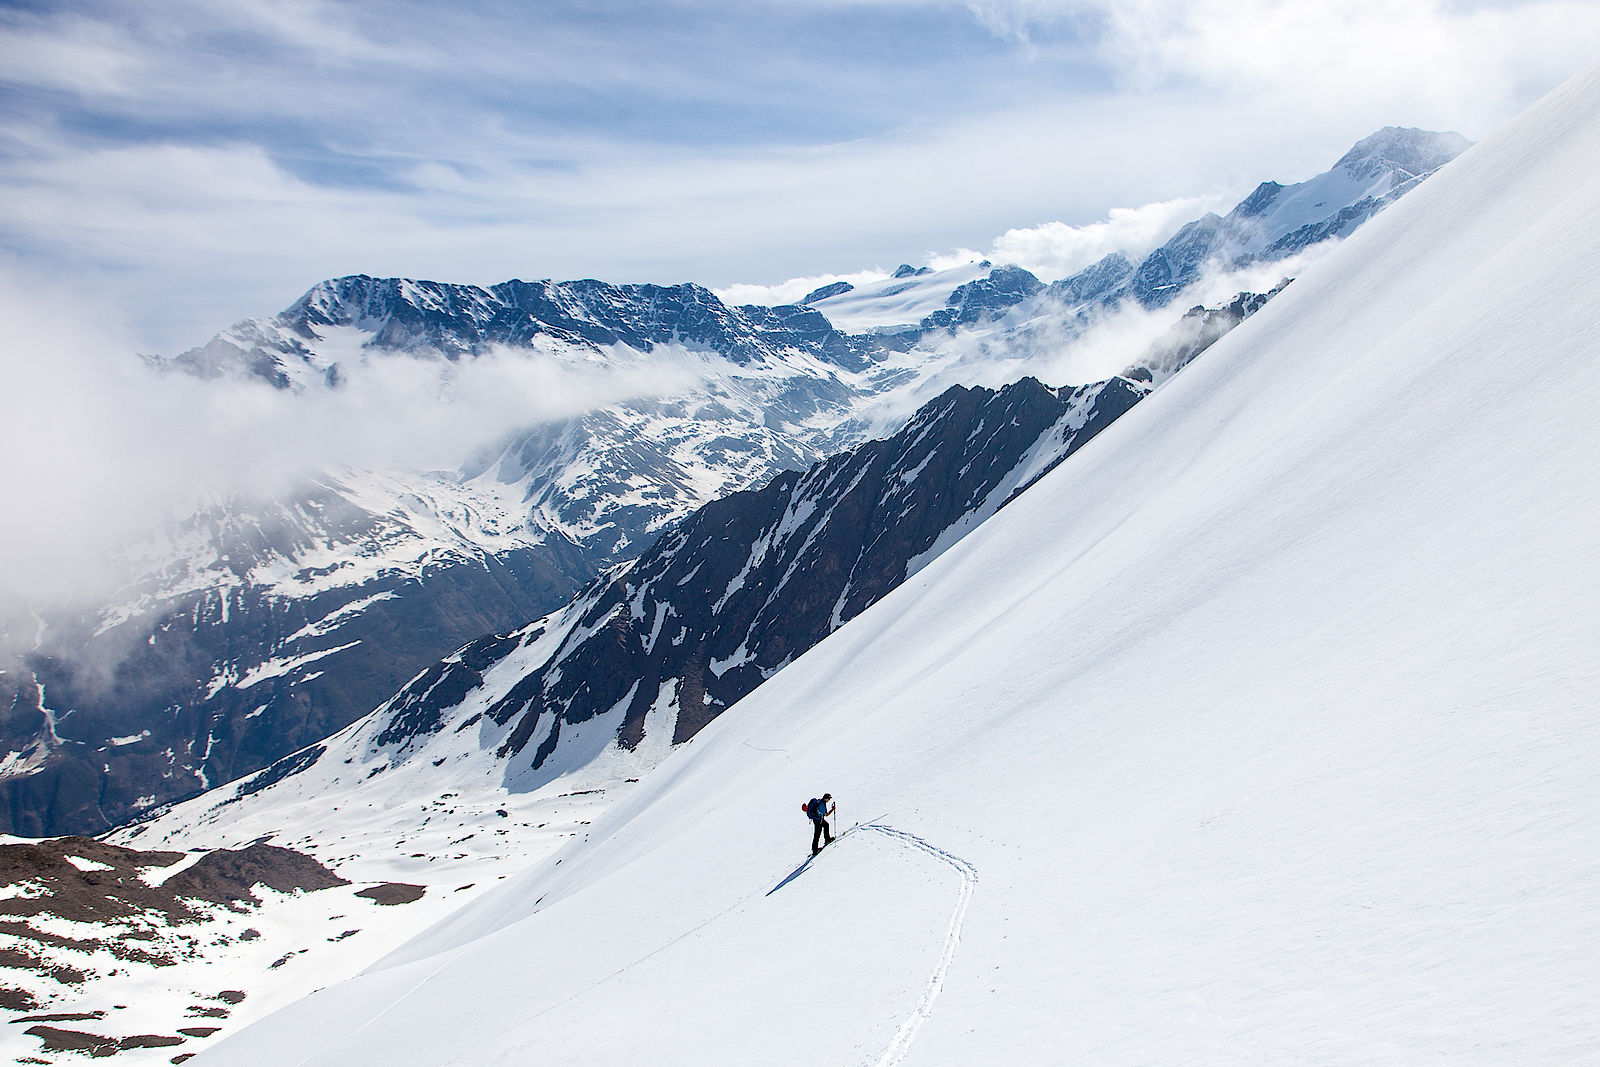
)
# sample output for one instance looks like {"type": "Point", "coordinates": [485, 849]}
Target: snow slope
{"type": "Point", "coordinates": [1261, 732]}
{"type": "Point", "coordinates": [1279, 752]}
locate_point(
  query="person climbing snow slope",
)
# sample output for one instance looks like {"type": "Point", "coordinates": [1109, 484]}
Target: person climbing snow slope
{"type": "Point", "coordinates": [818, 809]}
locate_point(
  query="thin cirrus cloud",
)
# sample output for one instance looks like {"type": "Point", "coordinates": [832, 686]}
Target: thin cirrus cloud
{"type": "Point", "coordinates": [194, 163]}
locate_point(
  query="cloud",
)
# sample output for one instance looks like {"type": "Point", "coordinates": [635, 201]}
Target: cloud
{"type": "Point", "coordinates": [100, 455]}
{"type": "Point", "coordinates": [197, 163]}
{"type": "Point", "coordinates": [1444, 57]}
{"type": "Point", "coordinates": [792, 290]}
{"type": "Point", "coordinates": [1055, 250]}
{"type": "Point", "coordinates": [76, 54]}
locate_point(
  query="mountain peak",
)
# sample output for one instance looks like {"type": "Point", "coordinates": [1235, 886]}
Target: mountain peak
{"type": "Point", "coordinates": [1403, 148]}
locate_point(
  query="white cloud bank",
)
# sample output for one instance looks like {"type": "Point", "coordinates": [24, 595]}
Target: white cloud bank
{"type": "Point", "coordinates": [1054, 250]}
{"type": "Point", "coordinates": [99, 454]}
{"type": "Point", "coordinates": [792, 290]}
{"type": "Point", "coordinates": [1051, 250]}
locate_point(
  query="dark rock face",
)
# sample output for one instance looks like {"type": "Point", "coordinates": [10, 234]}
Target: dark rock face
{"type": "Point", "coordinates": [984, 299]}
{"type": "Point", "coordinates": [1199, 329]}
{"type": "Point", "coordinates": [392, 893]}
{"type": "Point", "coordinates": [748, 583]}
{"type": "Point", "coordinates": [823, 292]}
{"type": "Point", "coordinates": [290, 764]}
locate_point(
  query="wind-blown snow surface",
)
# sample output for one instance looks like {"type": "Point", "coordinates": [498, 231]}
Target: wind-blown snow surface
{"type": "Point", "coordinates": [1282, 752]}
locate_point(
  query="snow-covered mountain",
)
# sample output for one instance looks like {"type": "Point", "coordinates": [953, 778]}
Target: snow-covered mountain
{"type": "Point", "coordinates": [658, 647]}
{"type": "Point", "coordinates": [434, 795]}
{"type": "Point", "coordinates": [339, 321]}
{"type": "Point", "coordinates": [1258, 731]}
{"type": "Point", "coordinates": [653, 651]}
{"type": "Point", "coordinates": [502, 752]}
{"type": "Point", "coordinates": [260, 627]}
{"type": "Point", "coordinates": [1272, 223]}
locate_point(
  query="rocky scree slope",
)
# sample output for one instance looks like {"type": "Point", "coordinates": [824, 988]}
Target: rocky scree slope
{"type": "Point", "coordinates": [79, 915]}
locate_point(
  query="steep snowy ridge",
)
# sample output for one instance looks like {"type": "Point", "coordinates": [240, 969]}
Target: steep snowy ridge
{"type": "Point", "coordinates": [1273, 222]}
{"type": "Point", "coordinates": [747, 583]}
{"type": "Point", "coordinates": [1281, 751]}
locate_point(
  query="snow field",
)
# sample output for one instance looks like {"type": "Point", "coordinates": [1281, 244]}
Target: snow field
{"type": "Point", "coordinates": [589, 1014]}
{"type": "Point", "coordinates": [1265, 724]}
{"type": "Point", "coordinates": [303, 941]}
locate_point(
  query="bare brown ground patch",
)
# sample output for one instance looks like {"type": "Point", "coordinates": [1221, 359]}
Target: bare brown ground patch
{"type": "Point", "coordinates": [13, 999]}
{"type": "Point", "coordinates": [393, 893]}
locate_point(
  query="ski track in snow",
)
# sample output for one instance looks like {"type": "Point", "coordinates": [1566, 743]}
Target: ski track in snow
{"type": "Point", "coordinates": [901, 1045]}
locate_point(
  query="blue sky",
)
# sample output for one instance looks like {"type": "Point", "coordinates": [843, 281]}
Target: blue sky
{"type": "Point", "coordinates": [184, 164]}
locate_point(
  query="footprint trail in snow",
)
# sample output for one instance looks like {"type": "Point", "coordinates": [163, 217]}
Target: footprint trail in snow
{"type": "Point", "coordinates": [901, 1044]}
